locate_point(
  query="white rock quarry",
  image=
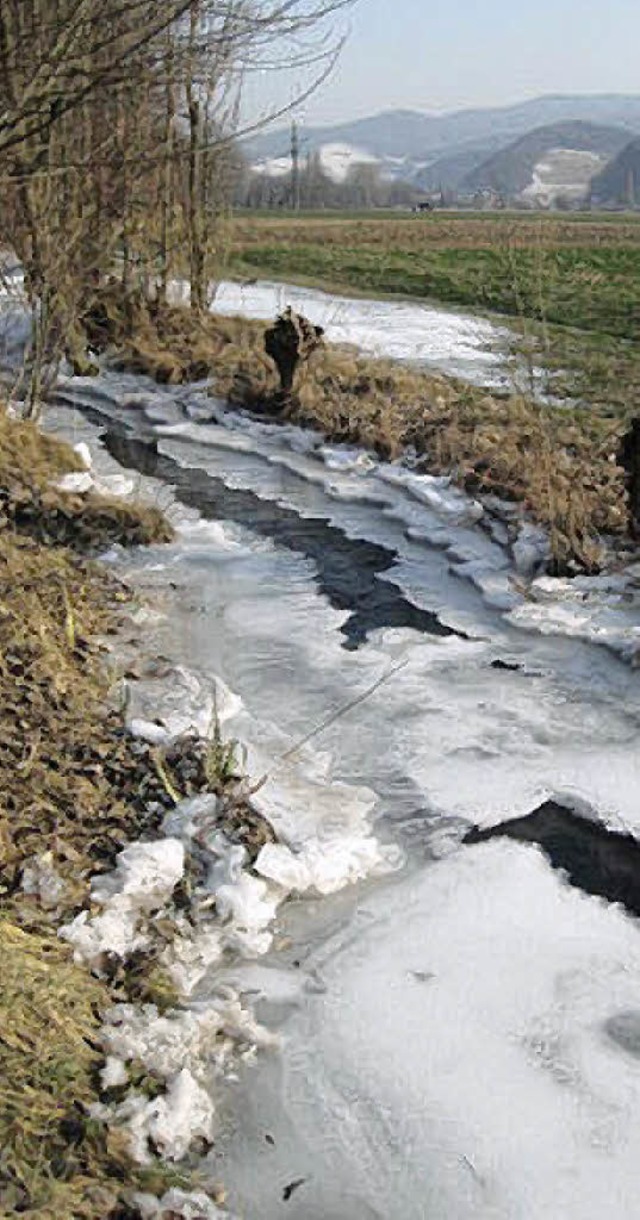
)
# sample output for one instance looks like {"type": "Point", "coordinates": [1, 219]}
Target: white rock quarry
{"type": "Point", "coordinates": [563, 173]}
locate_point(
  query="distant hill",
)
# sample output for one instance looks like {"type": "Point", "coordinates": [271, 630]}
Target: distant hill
{"type": "Point", "coordinates": [619, 182]}
{"type": "Point", "coordinates": [557, 159]}
{"type": "Point", "coordinates": [448, 173]}
{"type": "Point", "coordinates": [406, 143]}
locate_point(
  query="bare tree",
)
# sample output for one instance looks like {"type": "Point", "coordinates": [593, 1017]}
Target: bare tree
{"type": "Point", "coordinates": [117, 128]}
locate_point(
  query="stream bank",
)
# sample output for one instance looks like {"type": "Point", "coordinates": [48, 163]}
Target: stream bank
{"type": "Point", "coordinates": [555, 467]}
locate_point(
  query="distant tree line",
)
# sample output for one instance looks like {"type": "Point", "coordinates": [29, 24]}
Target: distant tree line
{"type": "Point", "coordinates": [362, 188]}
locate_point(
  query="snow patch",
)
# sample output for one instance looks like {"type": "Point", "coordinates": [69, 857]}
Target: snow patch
{"type": "Point", "coordinates": [188, 1205]}
{"type": "Point", "coordinates": [325, 867]}
{"type": "Point", "coordinates": [337, 161]}
{"type": "Point", "coordinates": [144, 879]}
{"type": "Point", "coordinates": [166, 1126]}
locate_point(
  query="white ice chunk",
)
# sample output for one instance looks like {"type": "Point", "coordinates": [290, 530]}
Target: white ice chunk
{"type": "Point", "coordinates": [188, 1205]}
{"type": "Point", "coordinates": [115, 931]}
{"type": "Point", "coordinates": [189, 958]}
{"type": "Point", "coordinates": [164, 1043]}
{"type": "Point", "coordinates": [249, 905]}
{"type": "Point", "coordinates": [147, 873]}
{"type": "Point", "coordinates": [145, 877]}
{"type": "Point", "coordinates": [531, 550]}
{"type": "Point", "coordinates": [169, 1124]}
{"type": "Point", "coordinates": [436, 492]}
{"type": "Point", "coordinates": [83, 452]}
{"type": "Point", "coordinates": [190, 817]}
{"type": "Point", "coordinates": [198, 1037]}
{"type": "Point", "coordinates": [119, 485]}
{"type": "Point", "coordinates": [114, 1073]}
{"type": "Point", "coordinates": [77, 482]}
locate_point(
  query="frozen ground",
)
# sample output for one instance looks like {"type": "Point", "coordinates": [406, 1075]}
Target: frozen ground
{"type": "Point", "coordinates": [460, 1039]}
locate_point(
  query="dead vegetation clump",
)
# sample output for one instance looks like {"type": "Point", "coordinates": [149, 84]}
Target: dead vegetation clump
{"type": "Point", "coordinates": [30, 503]}
{"type": "Point", "coordinates": [559, 464]}
{"type": "Point", "coordinates": [175, 346]}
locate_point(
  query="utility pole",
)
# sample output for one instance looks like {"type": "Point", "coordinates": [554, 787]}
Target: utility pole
{"type": "Point", "coordinates": [295, 167]}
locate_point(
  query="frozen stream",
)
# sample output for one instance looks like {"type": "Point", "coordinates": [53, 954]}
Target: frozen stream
{"type": "Point", "coordinates": [461, 1038]}
{"type": "Point", "coordinates": [458, 344]}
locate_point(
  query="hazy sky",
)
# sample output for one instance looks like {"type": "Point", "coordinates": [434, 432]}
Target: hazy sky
{"type": "Point", "coordinates": [447, 54]}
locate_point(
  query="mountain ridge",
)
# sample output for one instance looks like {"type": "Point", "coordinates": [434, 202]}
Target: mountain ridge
{"type": "Point", "coordinates": [406, 142]}
{"type": "Point", "coordinates": [619, 182]}
{"type": "Point", "coordinates": [461, 123]}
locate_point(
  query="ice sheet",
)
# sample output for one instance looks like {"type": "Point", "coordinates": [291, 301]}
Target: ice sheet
{"type": "Point", "coordinates": [458, 1056]}
{"type": "Point", "coordinates": [462, 1060]}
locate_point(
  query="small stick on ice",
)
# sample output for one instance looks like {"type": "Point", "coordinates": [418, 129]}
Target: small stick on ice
{"type": "Point", "coordinates": [340, 712]}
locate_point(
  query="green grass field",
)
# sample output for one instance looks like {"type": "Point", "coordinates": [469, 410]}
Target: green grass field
{"type": "Point", "coordinates": [571, 283]}
{"type": "Point", "coordinates": [579, 272]}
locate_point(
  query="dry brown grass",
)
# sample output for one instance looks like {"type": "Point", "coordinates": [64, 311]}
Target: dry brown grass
{"type": "Point", "coordinates": [169, 343]}
{"type": "Point", "coordinates": [560, 465]}
{"type": "Point", "coordinates": [65, 764]}
{"type": "Point", "coordinates": [63, 755]}
{"type": "Point", "coordinates": [75, 788]}
{"type": "Point", "coordinates": [30, 505]}
{"type": "Point", "coordinates": [436, 231]}
{"type": "Point", "coordinates": [54, 1162]}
